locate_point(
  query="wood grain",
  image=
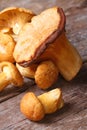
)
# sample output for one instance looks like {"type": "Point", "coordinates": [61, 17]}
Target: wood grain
{"type": "Point", "coordinates": [74, 114]}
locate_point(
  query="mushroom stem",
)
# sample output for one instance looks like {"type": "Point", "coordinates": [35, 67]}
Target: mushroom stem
{"type": "Point", "coordinates": [65, 56]}
{"type": "Point", "coordinates": [3, 81]}
{"type": "Point", "coordinates": [27, 71]}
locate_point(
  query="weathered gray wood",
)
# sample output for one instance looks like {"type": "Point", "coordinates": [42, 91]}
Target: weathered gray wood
{"type": "Point", "coordinates": [11, 91]}
{"type": "Point", "coordinates": [74, 114]}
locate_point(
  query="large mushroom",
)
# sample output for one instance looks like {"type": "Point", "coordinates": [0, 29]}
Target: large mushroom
{"type": "Point", "coordinates": [44, 39]}
{"type": "Point", "coordinates": [13, 18]}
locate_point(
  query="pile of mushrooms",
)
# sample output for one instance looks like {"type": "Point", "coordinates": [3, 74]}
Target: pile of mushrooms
{"type": "Point", "coordinates": [11, 21]}
{"type": "Point", "coordinates": [36, 46]}
{"type": "Point", "coordinates": [43, 43]}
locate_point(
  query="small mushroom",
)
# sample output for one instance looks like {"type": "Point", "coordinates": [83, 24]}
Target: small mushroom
{"type": "Point", "coordinates": [46, 74]}
{"type": "Point", "coordinates": [27, 71]}
{"type": "Point", "coordinates": [35, 107]}
{"type": "Point", "coordinates": [12, 19]}
{"type": "Point", "coordinates": [44, 39]}
{"type": "Point", "coordinates": [7, 45]}
{"type": "Point", "coordinates": [31, 107]}
{"type": "Point", "coordinates": [9, 74]}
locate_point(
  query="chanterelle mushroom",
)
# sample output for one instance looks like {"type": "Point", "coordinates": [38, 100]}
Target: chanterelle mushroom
{"type": "Point", "coordinates": [44, 38]}
{"type": "Point", "coordinates": [9, 74]}
{"type": "Point", "coordinates": [12, 19]}
{"type": "Point", "coordinates": [7, 45]}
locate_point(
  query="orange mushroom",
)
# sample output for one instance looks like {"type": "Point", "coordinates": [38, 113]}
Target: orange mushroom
{"type": "Point", "coordinates": [46, 74]}
{"type": "Point", "coordinates": [44, 39]}
{"type": "Point", "coordinates": [9, 74]}
{"type": "Point", "coordinates": [13, 18]}
{"type": "Point", "coordinates": [7, 45]}
{"type": "Point", "coordinates": [35, 107]}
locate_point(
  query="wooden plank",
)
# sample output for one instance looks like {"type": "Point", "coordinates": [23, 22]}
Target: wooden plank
{"type": "Point", "coordinates": [39, 5]}
{"type": "Point", "coordinates": [11, 91]}
{"type": "Point", "coordinates": [76, 28]}
{"type": "Point", "coordinates": [74, 114]}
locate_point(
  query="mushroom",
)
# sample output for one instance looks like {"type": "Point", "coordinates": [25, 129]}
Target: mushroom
{"type": "Point", "coordinates": [27, 71]}
{"type": "Point", "coordinates": [7, 45]}
{"type": "Point", "coordinates": [35, 107]}
{"type": "Point", "coordinates": [12, 19]}
{"type": "Point", "coordinates": [46, 74]}
{"type": "Point", "coordinates": [31, 107]}
{"type": "Point", "coordinates": [44, 39]}
{"type": "Point", "coordinates": [9, 74]}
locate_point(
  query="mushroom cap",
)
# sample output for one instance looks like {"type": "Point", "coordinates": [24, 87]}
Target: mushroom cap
{"type": "Point", "coordinates": [7, 45]}
{"type": "Point", "coordinates": [12, 73]}
{"type": "Point", "coordinates": [13, 18]}
{"type": "Point", "coordinates": [31, 107]}
{"type": "Point", "coordinates": [35, 37]}
{"type": "Point", "coordinates": [46, 74]}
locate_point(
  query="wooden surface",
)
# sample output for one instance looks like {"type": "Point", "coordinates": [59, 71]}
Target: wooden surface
{"type": "Point", "coordinates": [74, 114]}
